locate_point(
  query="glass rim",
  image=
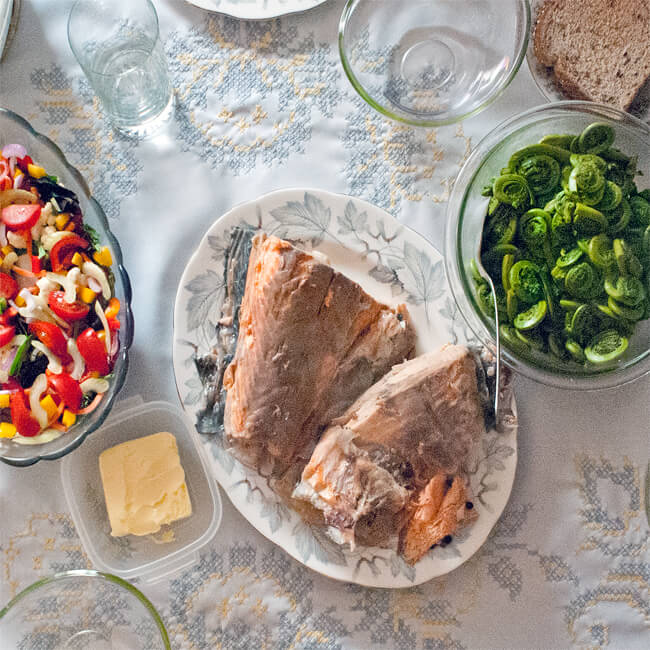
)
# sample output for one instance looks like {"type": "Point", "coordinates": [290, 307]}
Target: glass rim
{"type": "Point", "coordinates": [429, 123]}
{"type": "Point", "coordinates": [482, 327]}
{"type": "Point", "coordinates": [89, 69]}
{"type": "Point", "coordinates": [91, 573]}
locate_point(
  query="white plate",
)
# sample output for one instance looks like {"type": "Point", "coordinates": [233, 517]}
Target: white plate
{"type": "Point", "coordinates": [256, 9]}
{"type": "Point", "coordinates": [395, 265]}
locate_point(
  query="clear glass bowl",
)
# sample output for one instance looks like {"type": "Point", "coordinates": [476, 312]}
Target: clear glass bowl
{"type": "Point", "coordinates": [14, 128]}
{"type": "Point", "coordinates": [82, 609]}
{"type": "Point", "coordinates": [545, 79]}
{"type": "Point", "coordinates": [432, 62]}
{"type": "Point", "coordinates": [466, 210]}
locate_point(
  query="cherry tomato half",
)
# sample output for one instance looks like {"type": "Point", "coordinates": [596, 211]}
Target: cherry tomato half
{"type": "Point", "coordinates": [93, 351]}
{"type": "Point", "coordinates": [11, 385]}
{"type": "Point", "coordinates": [52, 337]}
{"type": "Point", "coordinates": [21, 217]}
{"type": "Point", "coordinates": [5, 178]}
{"type": "Point", "coordinates": [24, 162]}
{"type": "Point", "coordinates": [21, 416]}
{"type": "Point", "coordinates": [7, 316]}
{"type": "Point", "coordinates": [69, 311]}
{"type": "Point", "coordinates": [8, 286]}
{"type": "Point", "coordinates": [7, 332]}
{"type": "Point", "coordinates": [67, 389]}
{"type": "Point", "coordinates": [62, 252]}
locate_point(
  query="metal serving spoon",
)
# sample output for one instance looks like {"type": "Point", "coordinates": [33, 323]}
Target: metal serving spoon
{"type": "Point", "coordinates": [486, 276]}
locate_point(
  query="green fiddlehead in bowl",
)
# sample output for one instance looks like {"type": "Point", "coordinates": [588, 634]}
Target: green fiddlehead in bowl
{"type": "Point", "coordinates": [596, 138]}
{"type": "Point", "coordinates": [640, 210]}
{"type": "Point", "coordinates": [581, 281]}
{"type": "Point", "coordinates": [567, 243]}
{"type": "Point", "coordinates": [513, 190]}
{"type": "Point", "coordinates": [542, 173]}
{"type": "Point", "coordinates": [587, 180]}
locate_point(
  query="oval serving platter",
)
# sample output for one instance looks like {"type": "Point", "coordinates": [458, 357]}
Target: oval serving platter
{"type": "Point", "coordinates": [395, 265]}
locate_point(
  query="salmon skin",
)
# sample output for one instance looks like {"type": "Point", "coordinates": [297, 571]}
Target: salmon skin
{"type": "Point", "coordinates": [211, 366]}
{"type": "Point", "coordinates": [310, 342]}
{"type": "Point", "coordinates": [421, 420]}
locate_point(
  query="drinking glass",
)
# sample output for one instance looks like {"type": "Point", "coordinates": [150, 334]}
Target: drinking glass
{"type": "Point", "coordinates": [117, 44]}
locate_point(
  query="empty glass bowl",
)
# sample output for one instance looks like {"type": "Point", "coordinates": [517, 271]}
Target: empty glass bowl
{"type": "Point", "coordinates": [466, 211]}
{"type": "Point", "coordinates": [82, 609]}
{"type": "Point", "coordinates": [432, 62]}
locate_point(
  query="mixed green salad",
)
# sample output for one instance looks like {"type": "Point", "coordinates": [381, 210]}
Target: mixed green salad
{"type": "Point", "coordinates": [58, 313]}
{"type": "Point", "coordinates": [567, 242]}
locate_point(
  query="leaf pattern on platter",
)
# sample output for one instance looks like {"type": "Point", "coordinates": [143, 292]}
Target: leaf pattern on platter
{"type": "Point", "coordinates": [204, 305]}
{"type": "Point", "coordinates": [219, 453]}
{"type": "Point", "coordinates": [426, 281]}
{"type": "Point", "coordinates": [313, 542]}
{"type": "Point", "coordinates": [352, 220]}
{"type": "Point", "coordinates": [275, 512]}
{"type": "Point", "coordinates": [308, 220]}
{"type": "Point", "coordinates": [218, 246]}
{"type": "Point", "coordinates": [193, 395]}
{"type": "Point", "coordinates": [398, 566]}
{"type": "Point", "coordinates": [384, 274]}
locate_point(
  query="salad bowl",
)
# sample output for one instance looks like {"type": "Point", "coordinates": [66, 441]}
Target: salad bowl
{"type": "Point", "coordinates": [15, 129]}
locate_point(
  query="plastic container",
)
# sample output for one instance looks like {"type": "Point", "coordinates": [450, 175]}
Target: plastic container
{"type": "Point", "coordinates": [174, 546]}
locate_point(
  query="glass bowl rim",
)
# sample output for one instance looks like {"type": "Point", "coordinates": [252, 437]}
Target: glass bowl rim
{"type": "Point", "coordinates": [607, 379]}
{"type": "Point", "coordinates": [127, 332]}
{"type": "Point", "coordinates": [350, 5]}
{"type": "Point", "coordinates": [91, 573]}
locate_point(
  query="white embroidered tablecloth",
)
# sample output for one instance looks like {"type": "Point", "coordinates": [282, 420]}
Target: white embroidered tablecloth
{"type": "Point", "coordinates": [262, 106]}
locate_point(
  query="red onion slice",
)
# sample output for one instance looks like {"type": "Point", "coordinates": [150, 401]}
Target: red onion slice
{"type": "Point", "coordinates": [94, 284]}
{"type": "Point", "coordinates": [16, 150]}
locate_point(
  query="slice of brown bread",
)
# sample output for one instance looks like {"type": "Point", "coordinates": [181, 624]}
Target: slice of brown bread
{"type": "Point", "coordinates": [599, 49]}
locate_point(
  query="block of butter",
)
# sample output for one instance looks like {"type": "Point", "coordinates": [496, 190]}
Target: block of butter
{"type": "Point", "coordinates": [144, 484]}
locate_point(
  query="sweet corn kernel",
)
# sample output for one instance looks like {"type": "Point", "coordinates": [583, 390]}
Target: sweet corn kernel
{"type": "Point", "coordinates": [103, 257]}
{"type": "Point", "coordinates": [86, 294]}
{"type": "Point", "coordinates": [36, 171]}
{"type": "Point", "coordinates": [77, 260]}
{"type": "Point", "coordinates": [4, 401]}
{"type": "Point", "coordinates": [7, 249]}
{"type": "Point", "coordinates": [50, 406]}
{"type": "Point", "coordinates": [20, 301]}
{"type": "Point", "coordinates": [7, 430]}
{"type": "Point", "coordinates": [61, 220]}
{"type": "Point", "coordinates": [68, 418]}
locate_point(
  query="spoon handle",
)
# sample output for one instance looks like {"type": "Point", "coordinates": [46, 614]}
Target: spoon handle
{"type": "Point", "coordinates": [497, 385]}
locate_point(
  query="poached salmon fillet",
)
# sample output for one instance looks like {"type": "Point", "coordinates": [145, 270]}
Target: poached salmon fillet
{"type": "Point", "coordinates": [387, 472]}
{"type": "Point", "coordinates": [310, 342]}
